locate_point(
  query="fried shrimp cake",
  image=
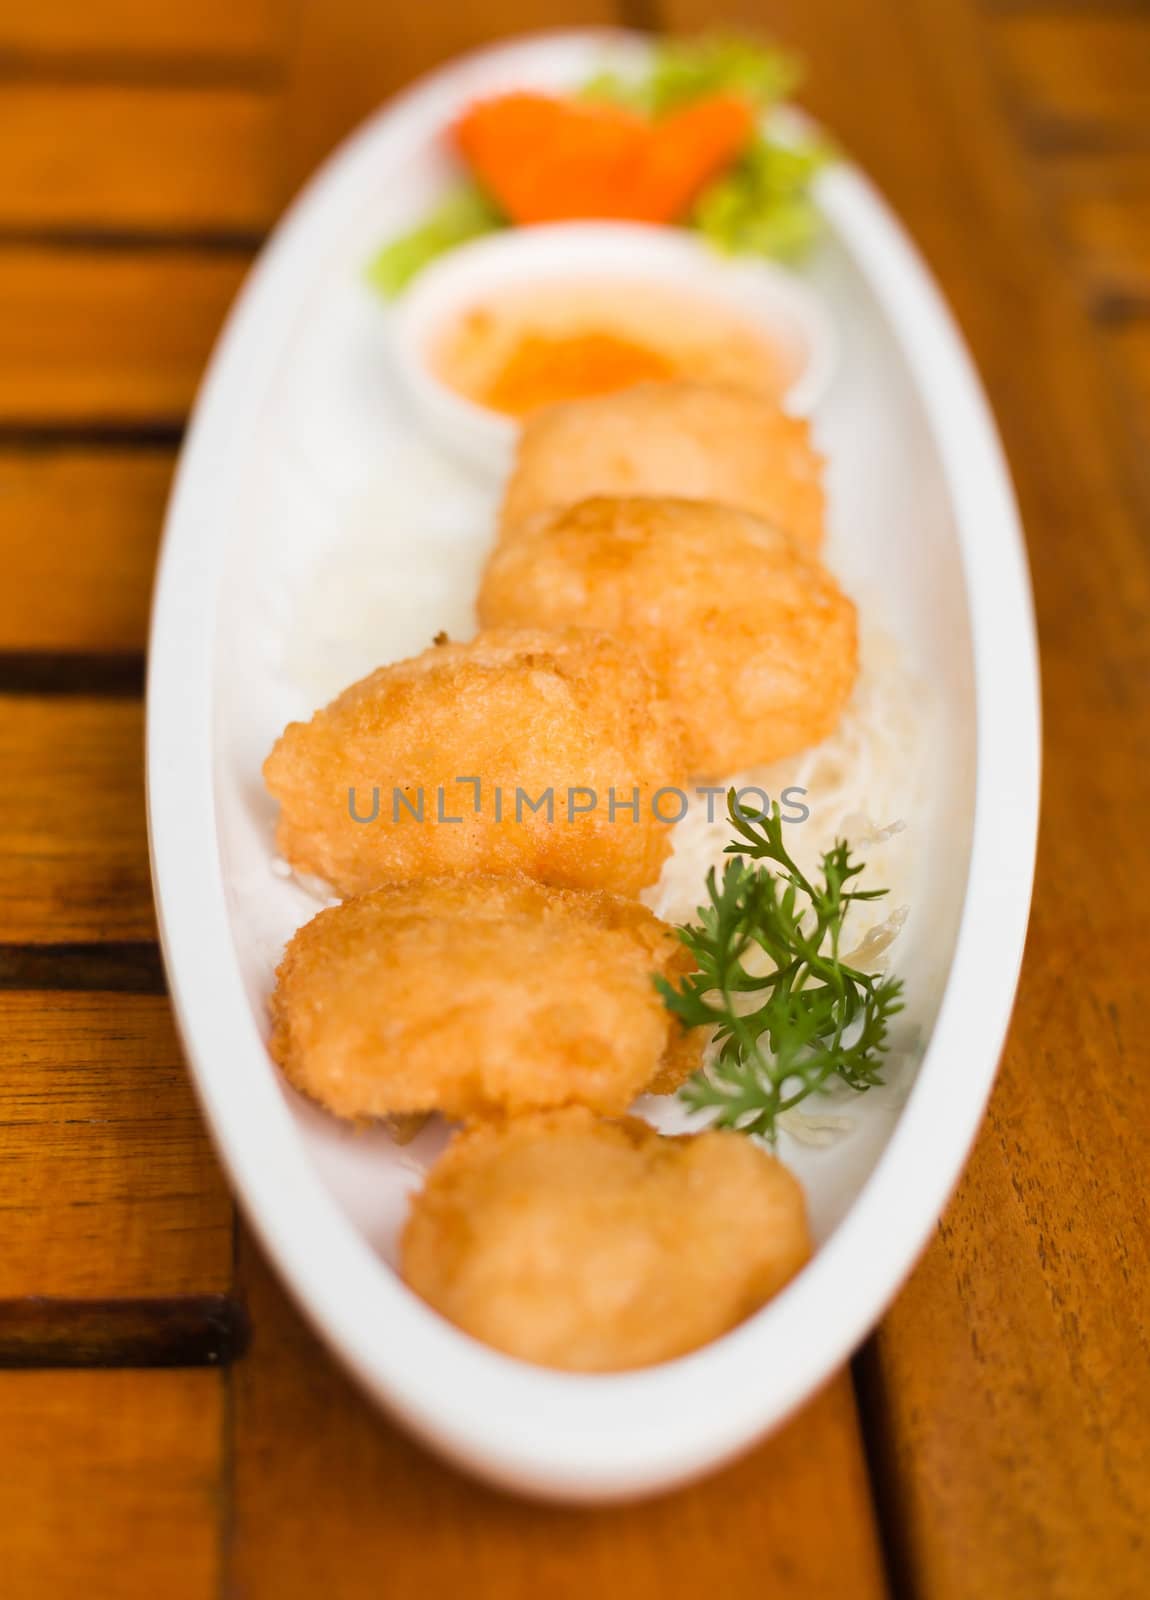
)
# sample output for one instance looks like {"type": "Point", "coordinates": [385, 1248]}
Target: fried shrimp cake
{"type": "Point", "coordinates": [479, 995]}
{"type": "Point", "coordinates": [752, 637]}
{"type": "Point", "coordinates": [685, 440]}
{"type": "Point", "coordinates": [597, 1246]}
{"type": "Point", "coordinates": [521, 751]}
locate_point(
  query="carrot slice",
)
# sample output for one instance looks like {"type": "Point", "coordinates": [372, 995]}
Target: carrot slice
{"type": "Point", "coordinates": [689, 148]}
{"type": "Point", "coordinates": [545, 159]}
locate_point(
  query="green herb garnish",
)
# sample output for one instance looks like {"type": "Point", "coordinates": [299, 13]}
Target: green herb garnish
{"type": "Point", "coordinates": [464, 214]}
{"type": "Point", "coordinates": [816, 1018]}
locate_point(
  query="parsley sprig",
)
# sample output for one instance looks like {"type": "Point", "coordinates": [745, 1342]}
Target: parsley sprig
{"type": "Point", "coordinates": [817, 1019]}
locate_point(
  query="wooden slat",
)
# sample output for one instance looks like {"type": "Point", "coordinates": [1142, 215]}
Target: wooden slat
{"type": "Point", "coordinates": [114, 339]}
{"type": "Point", "coordinates": [109, 1485]}
{"type": "Point", "coordinates": [791, 1520]}
{"type": "Point", "coordinates": [107, 158]}
{"type": "Point", "coordinates": [118, 30]}
{"type": "Point", "coordinates": [1078, 76]}
{"type": "Point", "coordinates": [1015, 1370]}
{"type": "Point", "coordinates": [1008, 1386]}
{"type": "Point", "coordinates": [73, 847]}
{"type": "Point", "coordinates": [1101, 203]}
{"type": "Point", "coordinates": [108, 1185]}
{"type": "Point", "coordinates": [79, 544]}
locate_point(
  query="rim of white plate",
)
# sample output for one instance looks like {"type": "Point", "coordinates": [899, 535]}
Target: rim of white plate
{"type": "Point", "coordinates": [544, 1432]}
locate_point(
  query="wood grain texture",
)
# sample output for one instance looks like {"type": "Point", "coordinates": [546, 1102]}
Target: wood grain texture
{"type": "Point", "coordinates": [121, 31]}
{"type": "Point", "coordinates": [1007, 1390]}
{"type": "Point", "coordinates": [792, 1519]}
{"type": "Point", "coordinates": [80, 534]}
{"type": "Point", "coordinates": [109, 1485]}
{"type": "Point", "coordinates": [73, 846]}
{"type": "Point", "coordinates": [1101, 205]}
{"type": "Point", "coordinates": [116, 338]}
{"type": "Point", "coordinates": [1079, 77]}
{"type": "Point", "coordinates": [94, 157]}
{"type": "Point", "coordinates": [108, 1185]}
{"type": "Point", "coordinates": [1126, 344]}
{"type": "Point", "coordinates": [1011, 1375]}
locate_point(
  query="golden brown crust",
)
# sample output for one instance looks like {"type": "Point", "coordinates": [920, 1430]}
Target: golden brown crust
{"type": "Point", "coordinates": [755, 642]}
{"type": "Point", "coordinates": [599, 1246]}
{"type": "Point", "coordinates": [525, 710]}
{"type": "Point", "coordinates": [685, 440]}
{"type": "Point", "coordinates": [477, 995]}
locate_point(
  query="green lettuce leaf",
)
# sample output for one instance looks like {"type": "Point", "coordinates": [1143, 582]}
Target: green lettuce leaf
{"type": "Point", "coordinates": [685, 70]}
{"type": "Point", "coordinates": [763, 205]}
{"type": "Point", "coordinates": [464, 214]}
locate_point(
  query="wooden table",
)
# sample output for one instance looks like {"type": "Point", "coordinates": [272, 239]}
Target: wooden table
{"type": "Point", "coordinates": [992, 1439]}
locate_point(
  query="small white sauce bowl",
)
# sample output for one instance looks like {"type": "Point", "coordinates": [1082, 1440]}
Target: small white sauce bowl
{"type": "Point", "coordinates": [770, 298]}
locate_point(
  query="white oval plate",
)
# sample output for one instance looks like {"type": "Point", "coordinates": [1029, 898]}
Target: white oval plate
{"type": "Point", "coordinates": [294, 423]}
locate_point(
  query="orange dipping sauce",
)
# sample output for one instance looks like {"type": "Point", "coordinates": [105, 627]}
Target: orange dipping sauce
{"type": "Point", "coordinates": [517, 351]}
{"type": "Point", "coordinates": [545, 367]}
